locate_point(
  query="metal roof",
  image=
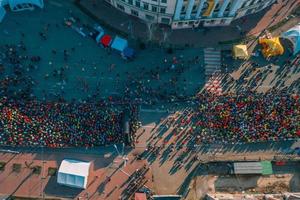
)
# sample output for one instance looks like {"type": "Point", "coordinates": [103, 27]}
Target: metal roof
{"type": "Point", "coordinates": [267, 167]}
{"type": "Point", "coordinates": [264, 167]}
{"type": "Point", "coordinates": [247, 168]}
{"type": "Point", "coordinates": [166, 197]}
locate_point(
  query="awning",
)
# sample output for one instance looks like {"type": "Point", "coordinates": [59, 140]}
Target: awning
{"type": "Point", "coordinates": [106, 40]}
{"type": "Point", "coordinates": [271, 47]}
{"type": "Point", "coordinates": [2, 13]}
{"type": "Point", "coordinates": [13, 4]}
{"type": "Point", "coordinates": [128, 52]}
{"type": "Point", "coordinates": [99, 36]}
{"type": "Point", "coordinates": [119, 44]}
{"type": "Point", "coordinates": [140, 196]}
{"type": "Point", "coordinates": [240, 51]}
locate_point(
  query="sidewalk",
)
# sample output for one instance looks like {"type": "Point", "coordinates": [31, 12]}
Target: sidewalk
{"type": "Point", "coordinates": [134, 28]}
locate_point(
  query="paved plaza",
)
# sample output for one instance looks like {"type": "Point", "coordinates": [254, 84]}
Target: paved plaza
{"type": "Point", "coordinates": [180, 131]}
{"type": "Point", "coordinates": [90, 70]}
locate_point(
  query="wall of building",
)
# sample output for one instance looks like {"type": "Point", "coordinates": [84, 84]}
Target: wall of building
{"type": "Point", "coordinates": [156, 11]}
{"type": "Point", "coordinates": [190, 13]}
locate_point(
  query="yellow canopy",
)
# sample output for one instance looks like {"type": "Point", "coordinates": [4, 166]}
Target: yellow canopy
{"type": "Point", "coordinates": [240, 51]}
{"type": "Point", "coordinates": [271, 47]}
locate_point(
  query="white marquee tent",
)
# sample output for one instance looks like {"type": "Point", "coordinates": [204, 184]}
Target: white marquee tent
{"type": "Point", "coordinates": [2, 13]}
{"type": "Point", "coordinates": [19, 5]}
{"type": "Point", "coordinates": [293, 35]}
{"type": "Point", "coordinates": [73, 173]}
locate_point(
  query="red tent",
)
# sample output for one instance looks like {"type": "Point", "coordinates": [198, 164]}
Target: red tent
{"type": "Point", "coordinates": [140, 196]}
{"type": "Point", "coordinates": [106, 40]}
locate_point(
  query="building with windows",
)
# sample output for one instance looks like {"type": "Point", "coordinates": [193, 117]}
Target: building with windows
{"type": "Point", "coordinates": [190, 13]}
{"type": "Point", "coordinates": [152, 11]}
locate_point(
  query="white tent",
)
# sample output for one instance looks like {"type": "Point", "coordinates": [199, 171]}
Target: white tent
{"type": "Point", "coordinates": [73, 173]}
{"type": "Point", "coordinates": [19, 5]}
{"type": "Point", "coordinates": [293, 35]}
{"type": "Point", "coordinates": [2, 13]}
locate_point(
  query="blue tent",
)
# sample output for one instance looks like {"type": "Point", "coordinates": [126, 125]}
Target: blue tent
{"type": "Point", "coordinates": [99, 36]}
{"type": "Point", "coordinates": [293, 35]}
{"type": "Point", "coordinates": [119, 44]}
{"type": "Point", "coordinates": [128, 53]}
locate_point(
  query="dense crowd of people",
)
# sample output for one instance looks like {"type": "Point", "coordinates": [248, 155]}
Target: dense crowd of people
{"type": "Point", "coordinates": [248, 117]}
{"type": "Point", "coordinates": [58, 124]}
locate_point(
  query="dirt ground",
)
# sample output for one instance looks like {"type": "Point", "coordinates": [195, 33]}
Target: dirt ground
{"type": "Point", "coordinates": [282, 183]}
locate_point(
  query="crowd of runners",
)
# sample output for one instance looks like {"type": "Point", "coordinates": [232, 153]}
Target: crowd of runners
{"type": "Point", "coordinates": [247, 117]}
{"type": "Point", "coordinates": [59, 124]}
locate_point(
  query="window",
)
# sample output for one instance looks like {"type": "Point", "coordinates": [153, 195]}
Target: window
{"type": "Point", "coordinates": [146, 6]}
{"type": "Point", "coordinates": [154, 9]}
{"type": "Point", "coordinates": [228, 6]}
{"type": "Point", "coordinates": [135, 13]}
{"type": "Point", "coordinates": [130, 2]}
{"type": "Point", "coordinates": [162, 10]}
{"type": "Point", "coordinates": [244, 4]}
{"type": "Point", "coordinates": [163, 1]}
{"type": "Point", "coordinates": [194, 10]}
{"type": "Point", "coordinates": [149, 17]}
{"type": "Point", "coordinates": [165, 20]}
{"type": "Point", "coordinates": [120, 7]}
{"type": "Point", "coordinates": [183, 9]}
{"type": "Point", "coordinates": [252, 2]}
{"type": "Point", "coordinates": [217, 8]}
{"type": "Point", "coordinates": [138, 4]}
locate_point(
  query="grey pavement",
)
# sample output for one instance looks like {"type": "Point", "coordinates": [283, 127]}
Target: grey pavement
{"type": "Point", "coordinates": [88, 71]}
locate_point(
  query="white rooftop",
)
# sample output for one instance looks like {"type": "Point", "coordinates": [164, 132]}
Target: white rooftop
{"type": "Point", "coordinates": [73, 173]}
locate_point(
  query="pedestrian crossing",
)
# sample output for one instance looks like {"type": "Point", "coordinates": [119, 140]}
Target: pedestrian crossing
{"type": "Point", "coordinates": [212, 61]}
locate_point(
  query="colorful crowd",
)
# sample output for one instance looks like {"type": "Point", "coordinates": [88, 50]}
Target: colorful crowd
{"type": "Point", "coordinates": [58, 124]}
{"type": "Point", "coordinates": [248, 117]}
{"type": "Point", "coordinates": [244, 118]}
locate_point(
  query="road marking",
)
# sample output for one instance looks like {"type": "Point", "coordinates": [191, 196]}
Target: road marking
{"type": "Point", "coordinates": [9, 151]}
{"type": "Point", "coordinates": [149, 126]}
{"type": "Point", "coordinates": [154, 111]}
{"type": "Point", "coordinates": [125, 172]}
